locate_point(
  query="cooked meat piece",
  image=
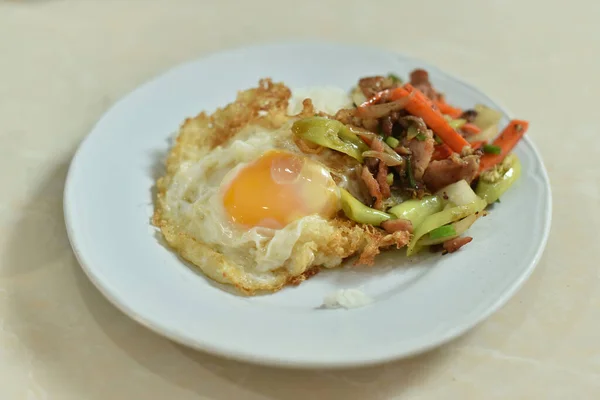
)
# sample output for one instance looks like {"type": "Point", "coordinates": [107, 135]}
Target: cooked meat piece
{"type": "Point", "coordinates": [454, 244]}
{"type": "Point", "coordinates": [358, 188]}
{"type": "Point", "coordinates": [384, 116]}
{"type": "Point", "coordinates": [372, 163]}
{"type": "Point", "coordinates": [382, 171]}
{"type": "Point", "coordinates": [377, 145]}
{"type": "Point", "coordinates": [373, 84]}
{"type": "Point", "coordinates": [384, 187]}
{"type": "Point", "coordinates": [394, 225]}
{"type": "Point", "coordinates": [419, 78]}
{"type": "Point", "coordinates": [373, 188]}
{"type": "Point", "coordinates": [469, 115]}
{"type": "Point", "coordinates": [346, 116]}
{"type": "Point", "coordinates": [421, 150]}
{"type": "Point", "coordinates": [403, 151]}
{"type": "Point", "coordinates": [387, 125]}
{"type": "Point", "coordinates": [370, 124]}
{"type": "Point", "coordinates": [441, 173]}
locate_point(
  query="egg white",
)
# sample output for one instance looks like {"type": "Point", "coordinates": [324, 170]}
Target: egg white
{"type": "Point", "coordinates": [195, 199]}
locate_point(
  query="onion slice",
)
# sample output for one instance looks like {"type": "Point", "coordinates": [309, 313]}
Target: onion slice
{"type": "Point", "coordinates": [387, 159]}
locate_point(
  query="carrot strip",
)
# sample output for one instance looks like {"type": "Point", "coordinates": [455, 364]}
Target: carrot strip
{"type": "Point", "coordinates": [507, 140]}
{"type": "Point", "coordinates": [470, 128]}
{"type": "Point", "coordinates": [441, 152]}
{"type": "Point", "coordinates": [365, 138]}
{"type": "Point", "coordinates": [421, 106]}
{"type": "Point", "coordinates": [447, 109]}
{"type": "Point", "coordinates": [478, 144]}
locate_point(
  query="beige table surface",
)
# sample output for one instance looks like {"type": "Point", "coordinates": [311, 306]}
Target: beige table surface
{"type": "Point", "coordinates": [63, 63]}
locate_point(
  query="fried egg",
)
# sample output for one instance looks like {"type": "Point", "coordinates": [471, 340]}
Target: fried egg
{"type": "Point", "coordinates": [278, 188]}
{"type": "Point", "coordinates": [242, 202]}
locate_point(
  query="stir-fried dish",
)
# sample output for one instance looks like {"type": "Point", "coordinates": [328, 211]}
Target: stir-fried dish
{"type": "Point", "coordinates": [279, 184]}
{"type": "Point", "coordinates": [430, 168]}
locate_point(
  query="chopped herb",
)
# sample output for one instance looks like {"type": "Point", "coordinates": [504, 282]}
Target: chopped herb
{"type": "Point", "coordinates": [420, 137]}
{"type": "Point", "coordinates": [498, 200]}
{"type": "Point", "coordinates": [395, 78]}
{"type": "Point", "coordinates": [389, 178]}
{"type": "Point", "coordinates": [442, 232]}
{"type": "Point", "coordinates": [392, 142]}
{"type": "Point", "coordinates": [491, 149]}
{"type": "Point", "coordinates": [437, 139]}
{"type": "Point", "coordinates": [409, 173]}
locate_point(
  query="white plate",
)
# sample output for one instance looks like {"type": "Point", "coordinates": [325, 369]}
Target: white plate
{"type": "Point", "coordinates": [418, 305]}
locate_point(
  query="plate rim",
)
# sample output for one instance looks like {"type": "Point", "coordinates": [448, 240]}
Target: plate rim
{"type": "Point", "coordinates": [199, 344]}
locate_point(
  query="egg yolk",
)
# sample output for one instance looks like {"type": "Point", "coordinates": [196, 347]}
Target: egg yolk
{"type": "Point", "coordinates": [279, 188]}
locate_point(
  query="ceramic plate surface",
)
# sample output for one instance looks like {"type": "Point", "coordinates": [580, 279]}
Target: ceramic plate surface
{"type": "Point", "coordinates": [418, 304]}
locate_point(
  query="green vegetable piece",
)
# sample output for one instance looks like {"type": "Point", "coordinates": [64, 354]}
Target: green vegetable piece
{"type": "Point", "coordinates": [460, 227]}
{"type": "Point", "coordinates": [417, 210]}
{"type": "Point", "coordinates": [444, 217]}
{"type": "Point", "coordinates": [442, 232]}
{"type": "Point", "coordinates": [389, 178]}
{"type": "Point", "coordinates": [395, 78]}
{"type": "Point", "coordinates": [347, 135]}
{"type": "Point", "coordinates": [491, 149]}
{"type": "Point", "coordinates": [437, 139]}
{"type": "Point", "coordinates": [486, 117]}
{"type": "Point", "coordinates": [457, 123]}
{"type": "Point", "coordinates": [331, 134]}
{"type": "Point", "coordinates": [358, 212]}
{"type": "Point", "coordinates": [410, 174]}
{"type": "Point", "coordinates": [420, 137]}
{"type": "Point", "coordinates": [392, 142]}
{"type": "Point", "coordinates": [412, 132]}
{"type": "Point", "coordinates": [492, 184]}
